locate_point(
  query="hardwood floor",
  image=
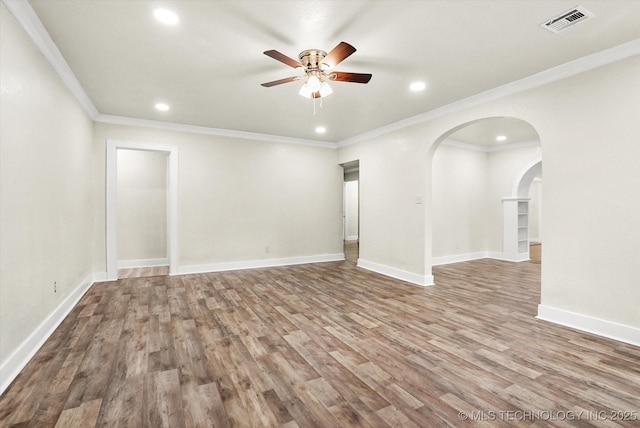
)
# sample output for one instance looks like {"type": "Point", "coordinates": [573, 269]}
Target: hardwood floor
{"type": "Point", "coordinates": [143, 272]}
{"type": "Point", "coordinates": [323, 345]}
{"type": "Point", "coordinates": [535, 252]}
{"type": "Point", "coordinates": [351, 251]}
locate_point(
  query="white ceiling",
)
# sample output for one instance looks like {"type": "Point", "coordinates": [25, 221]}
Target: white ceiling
{"type": "Point", "coordinates": [484, 132]}
{"type": "Point", "coordinates": [209, 67]}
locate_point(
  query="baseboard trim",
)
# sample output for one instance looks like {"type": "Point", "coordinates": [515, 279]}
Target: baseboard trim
{"type": "Point", "coordinates": [254, 264]}
{"type": "Point", "coordinates": [125, 264]}
{"type": "Point", "coordinates": [100, 277]}
{"type": "Point", "coordinates": [501, 256]}
{"type": "Point", "coordinates": [457, 258]}
{"type": "Point", "coordinates": [12, 367]}
{"type": "Point", "coordinates": [609, 329]}
{"type": "Point", "coordinates": [414, 278]}
{"type": "Point", "coordinates": [352, 238]}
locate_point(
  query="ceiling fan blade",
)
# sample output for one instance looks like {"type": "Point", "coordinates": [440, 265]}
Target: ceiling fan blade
{"type": "Point", "coordinates": [338, 54]}
{"type": "Point", "coordinates": [281, 81]}
{"type": "Point", "coordinates": [283, 58]}
{"type": "Point", "coordinates": [342, 76]}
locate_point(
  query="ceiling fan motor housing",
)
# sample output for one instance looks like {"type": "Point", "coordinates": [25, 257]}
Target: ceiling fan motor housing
{"type": "Point", "coordinates": [311, 59]}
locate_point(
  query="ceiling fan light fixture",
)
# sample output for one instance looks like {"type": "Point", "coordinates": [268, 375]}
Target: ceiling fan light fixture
{"type": "Point", "coordinates": [313, 83]}
{"type": "Point", "coordinates": [325, 89]}
{"type": "Point", "coordinates": [305, 91]}
{"type": "Point", "coordinates": [314, 65]}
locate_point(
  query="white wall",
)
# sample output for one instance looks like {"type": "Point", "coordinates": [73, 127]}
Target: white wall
{"type": "Point", "coordinates": [535, 211]}
{"type": "Point", "coordinates": [240, 200]}
{"type": "Point", "coordinates": [351, 209]}
{"type": "Point", "coordinates": [392, 177]}
{"type": "Point", "coordinates": [460, 180]}
{"type": "Point", "coordinates": [591, 204]}
{"type": "Point", "coordinates": [468, 187]}
{"type": "Point", "coordinates": [45, 191]}
{"type": "Point", "coordinates": [142, 205]}
{"type": "Point", "coordinates": [589, 132]}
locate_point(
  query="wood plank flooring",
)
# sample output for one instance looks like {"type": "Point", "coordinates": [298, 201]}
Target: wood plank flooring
{"type": "Point", "coordinates": [535, 252]}
{"type": "Point", "coordinates": [351, 251]}
{"type": "Point", "coordinates": [323, 345]}
{"type": "Point", "coordinates": [142, 272]}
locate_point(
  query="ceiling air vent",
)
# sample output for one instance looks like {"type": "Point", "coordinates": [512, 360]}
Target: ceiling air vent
{"type": "Point", "coordinates": [567, 19]}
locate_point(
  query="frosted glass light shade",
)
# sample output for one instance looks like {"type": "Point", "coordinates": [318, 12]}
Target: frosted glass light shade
{"type": "Point", "coordinates": [305, 91]}
{"type": "Point", "coordinates": [325, 89]}
{"type": "Point", "coordinates": [313, 83]}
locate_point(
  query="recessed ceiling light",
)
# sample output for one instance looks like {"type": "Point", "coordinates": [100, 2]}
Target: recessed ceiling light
{"type": "Point", "coordinates": [321, 129]}
{"type": "Point", "coordinates": [162, 107]}
{"type": "Point", "coordinates": [501, 138]}
{"type": "Point", "coordinates": [166, 16]}
{"type": "Point", "coordinates": [417, 86]}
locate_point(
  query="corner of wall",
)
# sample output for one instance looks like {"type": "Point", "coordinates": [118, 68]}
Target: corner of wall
{"type": "Point", "coordinates": [14, 364]}
{"type": "Point", "coordinates": [414, 278]}
{"type": "Point", "coordinates": [589, 324]}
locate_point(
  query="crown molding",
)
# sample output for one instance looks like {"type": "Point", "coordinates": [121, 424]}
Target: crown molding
{"type": "Point", "coordinates": [580, 65]}
{"type": "Point", "coordinates": [489, 149]}
{"type": "Point", "coordinates": [31, 24]}
{"type": "Point", "coordinates": [204, 130]}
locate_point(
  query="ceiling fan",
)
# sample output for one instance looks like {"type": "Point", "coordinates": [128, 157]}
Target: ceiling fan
{"type": "Point", "coordinates": [317, 67]}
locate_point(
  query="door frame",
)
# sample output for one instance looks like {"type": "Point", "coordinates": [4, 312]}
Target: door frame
{"type": "Point", "coordinates": [111, 201]}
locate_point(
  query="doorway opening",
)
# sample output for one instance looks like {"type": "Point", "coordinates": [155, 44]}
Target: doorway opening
{"type": "Point", "coordinates": [113, 235]}
{"type": "Point", "coordinates": [351, 211]}
{"type": "Point", "coordinates": [142, 213]}
{"type": "Point", "coordinates": [523, 241]}
{"type": "Point", "coordinates": [478, 212]}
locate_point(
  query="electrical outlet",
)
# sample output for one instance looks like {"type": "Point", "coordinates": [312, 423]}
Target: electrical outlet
{"type": "Point", "coordinates": [55, 287]}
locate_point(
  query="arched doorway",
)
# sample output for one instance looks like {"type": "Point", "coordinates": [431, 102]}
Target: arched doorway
{"type": "Point", "coordinates": [473, 169]}
{"type": "Point", "coordinates": [517, 215]}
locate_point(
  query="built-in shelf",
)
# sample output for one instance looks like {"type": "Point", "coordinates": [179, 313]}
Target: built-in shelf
{"type": "Point", "coordinates": [523, 234]}
{"type": "Point", "coordinates": [523, 226]}
{"type": "Point", "coordinates": [523, 207]}
{"type": "Point", "coordinates": [523, 246]}
{"type": "Point", "coordinates": [516, 228]}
